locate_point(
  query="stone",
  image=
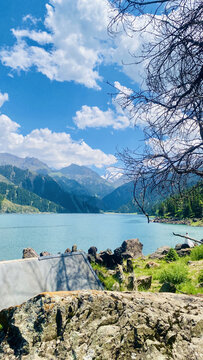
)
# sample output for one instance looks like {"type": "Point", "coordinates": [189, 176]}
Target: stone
{"type": "Point", "coordinates": [29, 253]}
{"type": "Point", "coordinates": [184, 252]}
{"type": "Point", "coordinates": [144, 282]}
{"type": "Point", "coordinates": [151, 264]}
{"type": "Point", "coordinates": [107, 258]}
{"type": "Point", "coordinates": [168, 287]}
{"type": "Point", "coordinates": [132, 282]}
{"type": "Point", "coordinates": [129, 266]}
{"type": "Point", "coordinates": [119, 273]}
{"type": "Point", "coordinates": [74, 248]}
{"type": "Point", "coordinates": [44, 253]}
{"type": "Point", "coordinates": [160, 252]}
{"type": "Point", "coordinates": [67, 251]}
{"type": "Point", "coordinates": [92, 251]}
{"type": "Point", "coordinates": [130, 249]}
{"type": "Point", "coordinates": [103, 325]}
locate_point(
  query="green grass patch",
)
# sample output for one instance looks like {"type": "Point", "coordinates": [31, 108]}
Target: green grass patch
{"type": "Point", "coordinates": [174, 273]}
{"type": "Point", "coordinates": [197, 253]}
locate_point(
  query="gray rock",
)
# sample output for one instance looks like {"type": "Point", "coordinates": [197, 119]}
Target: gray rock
{"type": "Point", "coordinates": [132, 282]}
{"type": "Point", "coordinates": [92, 251]}
{"type": "Point", "coordinates": [160, 252]}
{"type": "Point", "coordinates": [144, 282]}
{"type": "Point", "coordinates": [29, 253]}
{"type": "Point", "coordinates": [103, 325]}
{"type": "Point", "coordinates": [168, 287]}
{"type": "Point", "coordinates": [74, 248]}
{"type": "Point", "coordinates": [130, 249]}
{"type": "Point", "coordinates": [45, 253]}
{"type": "Point", "coordinates": [129, 266]}
{"type": "Point", "coordinates": [151, 264]}
{"type": "Point", "coordinates": [119, 273]}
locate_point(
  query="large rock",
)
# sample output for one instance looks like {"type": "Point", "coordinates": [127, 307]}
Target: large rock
{"type": "Point", "coordinates": [97, 325]}
{"type": "Point", "coordinates": [160, 253]}
{"type": "Point", "coordinates": [130, 249]}
{"type": "Point", "coordinates": [29, 253]}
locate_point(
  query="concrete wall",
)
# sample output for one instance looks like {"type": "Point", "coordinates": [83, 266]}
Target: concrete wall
{"type": "Point", "coordinates": [22, 279]}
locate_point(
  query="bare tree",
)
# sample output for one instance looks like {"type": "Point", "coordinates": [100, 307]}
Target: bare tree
{"type": "Point", "coordinates": [170, 100]}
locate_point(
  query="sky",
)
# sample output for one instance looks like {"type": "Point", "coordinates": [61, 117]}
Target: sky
{"type": "Point", "coordinates": [56, 60]}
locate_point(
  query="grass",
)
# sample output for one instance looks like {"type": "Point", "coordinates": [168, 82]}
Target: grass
{"type": "Point", "coordinates": [175, 274]}
{"type": "Point", "coordinates": [197, 253]}
{"type": "Point", "coordinates": [186, 277]}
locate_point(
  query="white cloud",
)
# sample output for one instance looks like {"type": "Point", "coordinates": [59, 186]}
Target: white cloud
{"type": "Point", "coordinates": [77, 32]}
{"type": "Point", "coordinates": [96, 118]}
{"type": "Point", "coordinates": [55, 149]}
{"type": "Point", "coordinates": [3, 98]}
{"type": "Point", "coordinates": [117, 118]}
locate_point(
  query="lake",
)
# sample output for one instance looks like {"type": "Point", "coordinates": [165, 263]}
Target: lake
{"type": "Point", "coordinates": [56, 232]}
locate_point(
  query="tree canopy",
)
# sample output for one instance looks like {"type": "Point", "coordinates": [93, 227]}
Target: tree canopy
{"type": "Point", "coordinates": [170, 98]}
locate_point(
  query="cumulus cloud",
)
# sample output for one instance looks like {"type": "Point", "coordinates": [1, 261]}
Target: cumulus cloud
{"type": "Point", "coordinates": [77, 34]}
{"type": "Point", "coordinates": [3, 98]}
{"type": "Point", "coordinates": [55, 149]}
{"type": "Point", "coordinates": [94, 117]}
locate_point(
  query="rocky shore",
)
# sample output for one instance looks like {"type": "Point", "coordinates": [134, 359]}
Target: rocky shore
{"type": "Point", "coordinates": [175, 221]}
{"type": "Point", "coordinates": [94, 325]}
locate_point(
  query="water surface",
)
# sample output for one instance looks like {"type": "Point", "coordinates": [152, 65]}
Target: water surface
{"type": "Point", "coordinates": [56, 232]}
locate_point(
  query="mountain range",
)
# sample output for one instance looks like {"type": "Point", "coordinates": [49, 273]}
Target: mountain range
{"type": "Point", "coordinates": [72, 189]}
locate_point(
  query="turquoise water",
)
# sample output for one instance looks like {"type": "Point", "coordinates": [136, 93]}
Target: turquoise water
{"type": "Point", "coordinates": [56, 232]}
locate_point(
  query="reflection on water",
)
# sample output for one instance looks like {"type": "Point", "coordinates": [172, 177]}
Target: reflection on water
{"type": "Point", "coordinates": [56, 232]}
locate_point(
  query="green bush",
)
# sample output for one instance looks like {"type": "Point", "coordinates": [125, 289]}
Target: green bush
{"type": "Point", "coordinates": [200, 277]}
{"type": "Point", "coordinates": [172, 255]}
{"type": "Point", "coordinates": [197, 253]}
{"type": "Point", "coordinates": [174, 274]}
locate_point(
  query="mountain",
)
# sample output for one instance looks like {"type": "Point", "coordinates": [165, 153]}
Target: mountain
{"type": "Point", "coordinates": [89, 179]}
{"type": "Point", "coordinates": [13, 197]}
{"type": "Point", "coordinates": [47, 188]}
{"type": "Point", "coordinates": [30, 163]}
{"type": "Point", "coordinates": [119, 197]}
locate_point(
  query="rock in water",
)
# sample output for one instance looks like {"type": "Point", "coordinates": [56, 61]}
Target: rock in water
{"type": "Point", "coordinates": [103, 325]}
{"type": "Point", "coordinates": [29, 253]}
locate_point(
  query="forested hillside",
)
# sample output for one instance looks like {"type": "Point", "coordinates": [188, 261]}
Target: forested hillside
{"type": "Point", "coordinates": [187, 205]}
{"type": "Point", "coordinates": [20, 196]}
{"type": "Point", "coordinates": [47, 188]}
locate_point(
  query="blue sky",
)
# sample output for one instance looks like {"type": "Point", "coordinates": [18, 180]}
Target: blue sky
{"type": "Point", "coordinates": [55, 60]}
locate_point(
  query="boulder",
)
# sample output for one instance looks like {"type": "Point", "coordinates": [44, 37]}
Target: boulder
{"type": "Point", "coordinates": [168, 287]}
{"type": "Point", "coordinates": [144, 282]}
{"type": "Point", "coordinates": [129, 266]}
{"type": "Point", "coordinates": [130, 249]}
{"type": "Point", "coordinates": [92, 251]}
{"type": "Point", "coordinates": [29, 253]}
{"type": "Point", "coordinates": [151, 264]}
{"type": "Point", "coordinates": [74, 248]}
{"type": "Point", "coordinates": [103, 325]}
{"type": "Point", "coordinates": [107, 258]}
{"type": "Point", "coordinates": [44, 253]}
{"type": "Point", "coordinates": [184, 252]}
{"type": "Point", "coordinates": [160, 252]}
{"type": "Point", "coordinates": [119, 273]}
{"type": "Point", "coordinates": [132, 283]}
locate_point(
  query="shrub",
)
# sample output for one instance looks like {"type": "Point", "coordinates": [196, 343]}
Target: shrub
{"type": "Point", "coordinates": [200, 277]}
{"type": "Point", "coordinates": [172, 255]}
{"type": "Point", "coordinates": [174, 274]}
{"type": "Point", "coordinates": [197, 253]}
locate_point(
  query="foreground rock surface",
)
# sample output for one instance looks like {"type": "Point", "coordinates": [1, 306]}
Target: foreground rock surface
{"type": "Point", "coordinates": [95, 325]}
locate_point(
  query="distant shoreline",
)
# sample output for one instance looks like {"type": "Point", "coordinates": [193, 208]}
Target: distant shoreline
{"type": "Point", "coordinates": [190, 222]}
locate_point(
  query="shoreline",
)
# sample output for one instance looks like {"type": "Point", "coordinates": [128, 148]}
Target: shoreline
{"type": "Point", "coordinates": [189, 222]}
